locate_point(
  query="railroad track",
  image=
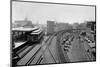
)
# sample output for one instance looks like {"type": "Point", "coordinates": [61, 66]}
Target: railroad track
{"type": "Point", "coordinates": [33, 57]}
{"type": "Point", "coordinates": [62, 56]}
{"type": "Point", "coordinates": [52, 55]}
{"type": "Point", "coordinates": [49, 50]}
{"type": "Point", "coordinates": [22, 52]}
{"type": "Point", "coordinates": [89, 55]}
{"type": "Point", "coordinates": [47, 39]}
{"type": "Point", "coordinates": [41, 57]}
{"type": "Point", "coordinates": [26, 50]}
{"type": "Point", "coordinates": [23, 48]}
{"type": "Point", "coordinates": [29, 55]}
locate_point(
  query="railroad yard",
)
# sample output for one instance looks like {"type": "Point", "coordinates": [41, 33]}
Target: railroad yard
{"type": "Point", "coordinates": [62, 47]}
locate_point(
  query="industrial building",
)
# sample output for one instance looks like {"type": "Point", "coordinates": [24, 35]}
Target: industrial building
{"type": "Point", "coordinates": [50, 27]}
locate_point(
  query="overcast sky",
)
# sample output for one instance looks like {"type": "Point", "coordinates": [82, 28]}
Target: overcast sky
{"type": "Point", "coordinates": [41, 12]}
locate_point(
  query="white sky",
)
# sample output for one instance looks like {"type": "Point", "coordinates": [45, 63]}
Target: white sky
{"type": "Point", "coordinates": [41, 12]}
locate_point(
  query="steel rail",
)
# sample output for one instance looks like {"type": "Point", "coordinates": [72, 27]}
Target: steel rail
{"type": "Point", "coordinates": [27, 51]}
{"type": "Point", "coordinates": [52, 55]}
{"type": "Point", "coordinates": [41, 57]}
{"type": "Point", "coordinates": [32, 58]}
{"type": "Point", "coordinates": [21, 49]}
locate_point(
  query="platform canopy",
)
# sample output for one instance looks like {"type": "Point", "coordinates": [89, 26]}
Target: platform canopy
{"type": "Point", "coordinates": [38, 31]}
{"type": "Point", "coordinates": [25, 29]}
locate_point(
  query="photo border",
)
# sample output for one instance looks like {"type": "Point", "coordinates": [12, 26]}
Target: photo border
{"type": "Point", "coordinates": [49, 3]}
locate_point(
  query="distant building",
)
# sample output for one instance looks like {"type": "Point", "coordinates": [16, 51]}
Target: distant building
{"type": "Point", "coordinates": [62, 26]}
{"type": "Point", "coordinates": [75, 25]}
{"type": "Point", "coordinates": [50, 27]}
{"type": "Point", "coordinates": [82, 26]}
{"type": "Point", "coordinates": [23, 23]}
{"type": "Point", "coordinates": [91, 25]}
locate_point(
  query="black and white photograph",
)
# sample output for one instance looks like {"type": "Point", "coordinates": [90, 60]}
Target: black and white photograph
{"type": "Point", "coordinates": [44, 33]}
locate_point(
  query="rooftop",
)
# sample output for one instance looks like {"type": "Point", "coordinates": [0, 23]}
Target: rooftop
{"type": "Point", "coordinates": [24, 29]}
